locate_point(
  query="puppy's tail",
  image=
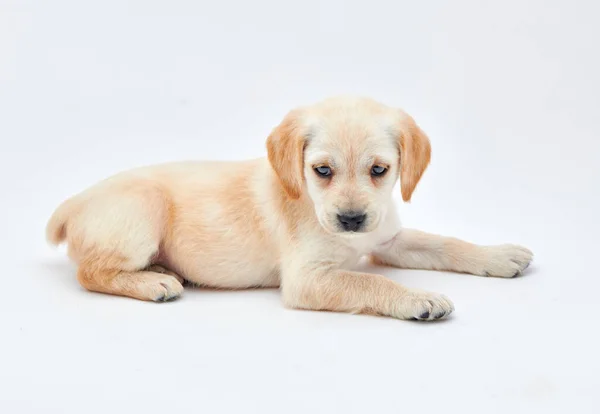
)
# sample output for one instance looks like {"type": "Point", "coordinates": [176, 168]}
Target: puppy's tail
{"type": "Point", "coordinates": [56, 229]}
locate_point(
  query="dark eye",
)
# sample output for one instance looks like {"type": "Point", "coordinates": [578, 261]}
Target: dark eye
{"type": "Point", "coordinates": [323, 171]}
{"type": "Point", "coordinates": [378, 170]}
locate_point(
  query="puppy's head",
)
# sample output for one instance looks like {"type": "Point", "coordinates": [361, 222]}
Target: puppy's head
{"type": "Point", "coordinates": [346, 154]}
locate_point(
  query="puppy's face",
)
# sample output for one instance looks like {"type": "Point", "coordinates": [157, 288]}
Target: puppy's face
{"type": "Point", "coordinates": [350, 169]}
{"type": "Point", "coordinates": [346, 154]}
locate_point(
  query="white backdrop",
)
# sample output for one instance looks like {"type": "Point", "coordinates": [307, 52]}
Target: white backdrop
{"type": "Point", "coordinates": [509, 94]}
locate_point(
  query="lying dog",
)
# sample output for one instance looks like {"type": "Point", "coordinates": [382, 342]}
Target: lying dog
{"type": "Point", "coordinates": [299, 220]}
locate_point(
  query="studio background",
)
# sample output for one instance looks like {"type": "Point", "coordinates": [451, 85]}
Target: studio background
{"type": "Point", "coordinates": [507, 91]}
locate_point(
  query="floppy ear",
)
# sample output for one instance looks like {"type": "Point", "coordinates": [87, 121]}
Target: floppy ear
{"type": "Point", "coordinates": [415, 153]}
{"type": "Point", "coordinates": [285, 148]}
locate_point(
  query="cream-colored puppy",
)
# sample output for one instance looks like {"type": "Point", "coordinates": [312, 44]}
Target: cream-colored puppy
{"type": "Point", "coordinates": [300, 220]}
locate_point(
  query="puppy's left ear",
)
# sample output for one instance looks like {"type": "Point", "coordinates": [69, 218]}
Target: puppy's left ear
{"type": "Point", "coordinates": [415, 153]}
{"type": "Point", "coordinates": [285, 148]}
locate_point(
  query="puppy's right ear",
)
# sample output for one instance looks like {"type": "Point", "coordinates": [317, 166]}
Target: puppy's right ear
{"type": "Point", "coordinates": [285, 147]}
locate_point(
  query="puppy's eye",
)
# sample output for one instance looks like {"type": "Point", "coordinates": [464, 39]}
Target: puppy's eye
{"type": "Point", "coordinates": [323, 171]}
{"type": "Point", "coordinates": [378, 170]}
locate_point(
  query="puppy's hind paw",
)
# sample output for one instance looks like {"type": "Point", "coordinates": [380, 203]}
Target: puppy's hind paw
{"type": "Point", "coordinates": [160, 269]}
{"type": "Point", "coordinates": [158, 287]}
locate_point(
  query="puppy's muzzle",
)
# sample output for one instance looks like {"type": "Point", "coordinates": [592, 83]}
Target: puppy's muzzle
{"type": "Point", "coordinates": [351, 220]}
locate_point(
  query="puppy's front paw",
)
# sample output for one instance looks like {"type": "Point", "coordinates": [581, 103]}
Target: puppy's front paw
{"type": "Point", "coordinates": [506, 260]}
{"type": "Point", "coordinates": [423, 306]}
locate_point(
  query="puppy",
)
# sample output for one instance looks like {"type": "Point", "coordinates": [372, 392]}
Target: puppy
{"type": "Point", "coordinates": [299, 220]}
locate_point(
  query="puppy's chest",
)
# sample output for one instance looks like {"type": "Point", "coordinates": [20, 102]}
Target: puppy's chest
{"type": "Point", "coordinates": [360, 246]}
{"type": "Point", "coordinates": [351, 250]}
{"type": "Point", "coordinates": [371, 241]}
{"type": "Point", "coordinates": [357, 247]}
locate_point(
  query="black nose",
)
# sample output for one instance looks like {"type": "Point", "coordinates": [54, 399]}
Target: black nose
{"type": "Point", "coordinates": [351, 220]}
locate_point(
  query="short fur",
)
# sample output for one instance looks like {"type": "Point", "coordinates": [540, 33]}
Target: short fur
{"type": "Point", "coordinates": [276, 222]}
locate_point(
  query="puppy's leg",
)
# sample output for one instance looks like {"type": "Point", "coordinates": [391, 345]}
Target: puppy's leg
{"type": "Point", "coordinates": [346, 291]}
{"type": "Point", "coordinates": [160, 269]}
{"type": "Point", "coordinates": [115, 237]}
{"type": "Point", "coordinates": [142, 285]}
{"type": "Point", "coordinates": [413, 249]}
{"type": "Point", "coordinates": [125, 272]}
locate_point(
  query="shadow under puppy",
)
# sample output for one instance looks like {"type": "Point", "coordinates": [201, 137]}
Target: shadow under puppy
{"type": "Point", "coordinates": [300, 219]}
